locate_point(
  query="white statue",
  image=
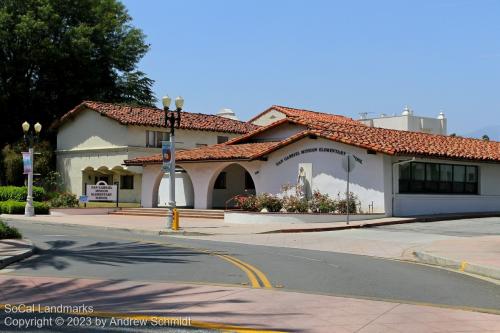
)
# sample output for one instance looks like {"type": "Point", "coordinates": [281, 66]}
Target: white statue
{"type": "Point", "coordinates": [301, 183]}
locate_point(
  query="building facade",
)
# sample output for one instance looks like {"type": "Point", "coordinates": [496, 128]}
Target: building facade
{"type": "Point", "coordinates": [95, 138]}
{"type": "Point", "coordinates": [398, 173]}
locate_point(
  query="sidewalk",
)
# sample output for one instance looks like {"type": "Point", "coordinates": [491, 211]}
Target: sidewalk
{"type": "Point", "coordinates": [245, 307]}
{"type": "Point", "coordinates": [477, 255]}
{"type": "Point", "coordinates": [12, 250]}
{"type": "Point", "coordinates": [197, 226]}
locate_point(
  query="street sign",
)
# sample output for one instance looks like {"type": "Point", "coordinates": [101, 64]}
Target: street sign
{"type": "Point", "coordinates": [348, 163]}
{"type": "Point", "coordinates": [101, 192]}
{"type": "Point", "coordinates": [83, 199]}
{"type": "Point", "coordinates": [166, 154]}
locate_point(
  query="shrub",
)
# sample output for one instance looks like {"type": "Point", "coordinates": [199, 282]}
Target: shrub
{"type": "Point", "coordinates": [295, 204]}
{"type": "Point", "coordinates": [17, 207]}
{"type": "Point", "coordinates": [52, 182]}
{"type": "Point", "coordinates": [271, 202]}
{"type": "Point", "coordinates": [8, 232]}
{"type": "Point", "coordinates": [65, 199]}
{"type": "Point", "coordinates": [342, 204]}
{"type": "Point", "coordinates": [322, 203]}
{"type": "Point", "coordinates": [246, 202]}
{"type": "Point", "coordinates": [19, 193]}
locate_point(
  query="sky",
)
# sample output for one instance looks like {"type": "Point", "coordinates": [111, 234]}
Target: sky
{"type": "Point", "coordinates": [342, 57]}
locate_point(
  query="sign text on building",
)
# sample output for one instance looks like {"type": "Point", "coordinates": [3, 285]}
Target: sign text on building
{"type": "Point", "coordinates": [101, 192]}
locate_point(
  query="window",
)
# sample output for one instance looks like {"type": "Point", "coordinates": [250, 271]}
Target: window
{"type": "Point", "coordinates": [127, 182]}
{"type": "Point", "coordinates": [154, 138]}
{"type": "Point", "coordinates": [249, 184]}
{"type": "Point", "coordinates": [220, 182]}
{"type": "Point", "coordinates": [222, 139]}
{"type": "Point", "coordinates": [419, 177]}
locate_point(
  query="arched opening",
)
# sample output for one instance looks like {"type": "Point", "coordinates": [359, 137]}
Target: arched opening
{"type": "Point", "coordinates": [184, 192]}
{"type": "Point", "coordinates": [231, 181]}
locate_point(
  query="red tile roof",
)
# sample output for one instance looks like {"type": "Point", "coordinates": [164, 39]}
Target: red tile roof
{"type": "Point", "coordinates": [387, 141]}
{"type": "Point", "coordinates": [312, 115]}
{"type": "Point", "coordinates": [149, 116]}
{"type": "Point", "coordinates": [218, 152]}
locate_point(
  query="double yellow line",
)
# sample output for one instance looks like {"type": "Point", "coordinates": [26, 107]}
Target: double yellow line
{"type": "Point", "coordinates": [256, 277]}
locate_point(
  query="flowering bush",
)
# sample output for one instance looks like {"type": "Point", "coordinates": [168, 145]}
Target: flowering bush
{"type": "Point", "coordinates": [322, 203]}
{"type": "Point", "coordinates": [246, 202]}
{"type": "Point", "coordinates": [342, 204]}
{"type": "Point", "coordinates": [295, 204]}
{"type": "Point", "coordinates": [268, 201]}
{"type": "Point", "coordinates": [289, 201]}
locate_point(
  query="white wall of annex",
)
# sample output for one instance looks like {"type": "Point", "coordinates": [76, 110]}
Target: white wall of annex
{"type": "Point", "coordinates": [91, 130]}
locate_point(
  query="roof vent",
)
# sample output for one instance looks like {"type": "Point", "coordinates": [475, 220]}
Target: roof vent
{"type": "Point", "coordinates": [441, 115]}
{"type": "Point", "coordinates": [363, 115]}
{"type": "Point", "coordinates": [406, 111]}
{"type": "Point", "coordinates": [227, 113]}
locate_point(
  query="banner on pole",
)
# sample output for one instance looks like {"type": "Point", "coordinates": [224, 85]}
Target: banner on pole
{"type": "Point", "coordinates": [27, 162]}
{"type": "Point", "coordinates": [166, 154]}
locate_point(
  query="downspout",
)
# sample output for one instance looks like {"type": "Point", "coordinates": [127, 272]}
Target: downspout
{"type": "Point", "coordinates": [392, 180]}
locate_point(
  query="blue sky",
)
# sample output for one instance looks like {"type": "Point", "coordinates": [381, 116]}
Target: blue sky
{"type": "Point", "coordinates": [342, 57]}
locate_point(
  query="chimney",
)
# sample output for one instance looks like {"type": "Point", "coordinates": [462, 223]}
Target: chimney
{"type": "Point", "coordinates": [227, 113]}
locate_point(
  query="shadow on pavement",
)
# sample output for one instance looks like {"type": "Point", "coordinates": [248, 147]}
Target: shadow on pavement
{"type": "Point", "coordinates": [105, 253]}
{"type": "Point", "coordinates": [201, 303]}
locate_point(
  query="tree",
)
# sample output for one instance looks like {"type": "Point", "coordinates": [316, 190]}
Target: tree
{"type": "Point", "coordinates": [56, 53]}
{"type": "Point", "coordinates": [485, 137]}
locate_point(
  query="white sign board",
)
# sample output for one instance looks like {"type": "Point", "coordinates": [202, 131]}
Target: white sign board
{"type": "Point", "coordinates": [101, 192]}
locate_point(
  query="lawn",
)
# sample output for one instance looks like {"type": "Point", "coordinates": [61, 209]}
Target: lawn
{"type": "Point", "coordinates": [8, 232]}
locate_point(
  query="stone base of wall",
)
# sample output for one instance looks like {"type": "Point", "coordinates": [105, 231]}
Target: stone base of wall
{"type": "Point", "coordinates": [240, 217]}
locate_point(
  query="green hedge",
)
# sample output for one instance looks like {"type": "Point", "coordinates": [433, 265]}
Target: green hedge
{"type": "Point", "coordinates": [8, 232]}
{"type": "Point", "coordinates": [17, 207]}
{"type": "Point", "coordinates": [19, 193]}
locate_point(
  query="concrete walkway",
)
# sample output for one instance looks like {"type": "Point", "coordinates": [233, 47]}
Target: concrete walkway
{"type": "Point", "coordinates": [12, 250]}
{"type": "Point", "coordinates": [194, 226]}
{"type": "Point", "coordinates": [245, 307]}
{"type": "Point", "coordinates": [477, 255]}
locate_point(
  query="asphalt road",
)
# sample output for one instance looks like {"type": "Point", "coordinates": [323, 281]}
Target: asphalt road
{"type": "Point", "coordinates": [77, 251]}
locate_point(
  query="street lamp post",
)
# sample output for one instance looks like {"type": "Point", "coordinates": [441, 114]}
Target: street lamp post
{"type": "Point", "coordinates": [30, 138]}
{"type": "Point", "coordinates": [172, 121]}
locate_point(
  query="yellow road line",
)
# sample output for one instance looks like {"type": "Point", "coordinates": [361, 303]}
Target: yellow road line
{"type": "Point", "coordinates": [261, 275]}
{"type": "Point", "coordinates": [168, 319]}
{"type": "Point", "coordinates": [249, 273]}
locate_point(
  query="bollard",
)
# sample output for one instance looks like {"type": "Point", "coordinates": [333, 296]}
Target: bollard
{"type": "Point", "coordinates": [175, 224]}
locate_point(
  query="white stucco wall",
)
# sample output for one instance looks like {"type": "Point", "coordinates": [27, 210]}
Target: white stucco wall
{"type": "Point", "coordinates": [409, 123]}
{"type": "Point", "coordinates": [366, 180]}
{"type": "Point", "coordinates": [279, 133]}
{"type": "Point", "coordinates": [268, 117]}
{"type": "Point", "coordinates": [91, 130]}
{"type": "Point", "coordinates": [184, 193]}
{"type": "Point", "coordinates": [185, 139]}
{"type": "Point", "coordinates": [488, 199]}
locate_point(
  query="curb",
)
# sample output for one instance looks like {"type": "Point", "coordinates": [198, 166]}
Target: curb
{"type": "Point", "coordinates": [342, 227]}
{"type": "Point", "coordinates": [464, 266]}
{"type": "Point", "coordinates": [7, 260]}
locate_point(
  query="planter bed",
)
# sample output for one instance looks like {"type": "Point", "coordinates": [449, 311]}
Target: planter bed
{"type": "Point", "coordinates": [243, 217]}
